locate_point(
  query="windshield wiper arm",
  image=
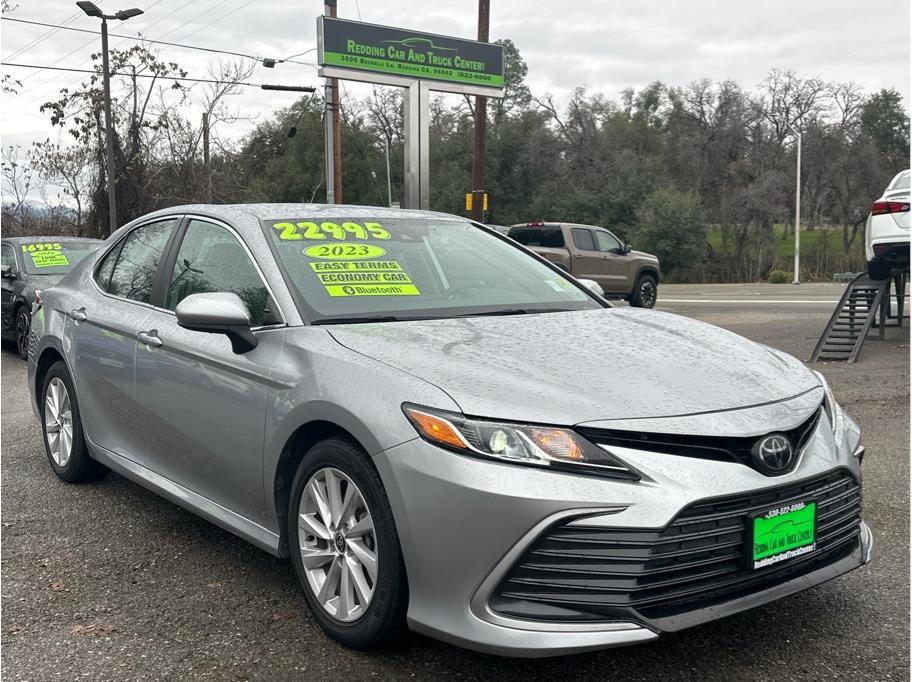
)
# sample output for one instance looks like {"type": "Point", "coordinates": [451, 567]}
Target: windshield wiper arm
{"type": "Point", "coordinates": [515, 311]}
{"type": "Point", "coordinates": [358, 320]}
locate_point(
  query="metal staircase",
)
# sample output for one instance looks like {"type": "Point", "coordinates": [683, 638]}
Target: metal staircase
{"type": "Point", "coordinates": [855, 315]}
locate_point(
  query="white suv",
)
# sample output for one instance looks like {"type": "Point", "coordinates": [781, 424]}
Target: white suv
{"type": "Point", "coordinates": [887, 229]}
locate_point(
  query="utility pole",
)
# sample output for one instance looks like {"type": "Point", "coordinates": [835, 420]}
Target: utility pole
{"type": "Point", "coordinates": [797, 278]}
{"type": "Point", "coordinates": [481, 120]}
{"type": "Point", "coordinates": [333, 129]}
{"type": "Point", "coordinates": [92, 10]}
{"type": "Point", "coordinates": [206, 157]}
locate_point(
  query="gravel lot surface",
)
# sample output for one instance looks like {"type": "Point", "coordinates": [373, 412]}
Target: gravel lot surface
{"type": "Point", "coordinates": [109, 582]}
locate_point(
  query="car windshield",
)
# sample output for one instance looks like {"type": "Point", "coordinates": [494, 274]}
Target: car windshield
{"type": "Point", "coordinates": [901, 181]}
{"type": "Point", "coordinates": [354, 269]}
{"type": "Point", "coordinates": [54, 258]}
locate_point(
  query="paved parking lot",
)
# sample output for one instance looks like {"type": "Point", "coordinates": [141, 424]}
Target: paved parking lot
{"type": "Point", "coordinates": [108, 581]}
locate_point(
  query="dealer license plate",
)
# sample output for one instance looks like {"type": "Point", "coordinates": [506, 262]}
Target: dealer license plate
{"type": "Point", "coordinates": [783, 533]}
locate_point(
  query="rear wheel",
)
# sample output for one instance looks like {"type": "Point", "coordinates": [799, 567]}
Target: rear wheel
{"type": "Point", "coordinates": [344, 546]}
{"type": "Point", "coordinates": [64, 441]}
{"type": "Point", "coordinates": [22, 325]}
{"type": "Point", "coordinates": [645, 292]}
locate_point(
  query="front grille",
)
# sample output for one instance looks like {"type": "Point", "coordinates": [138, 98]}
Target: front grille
{"type": "Point", "coordinates": [574, 572]}
{"type": "Point", "coordinates": [719, 448]}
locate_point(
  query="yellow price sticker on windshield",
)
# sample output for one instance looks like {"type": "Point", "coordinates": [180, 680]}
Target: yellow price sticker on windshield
{"type": "Point", "coordinates": [372, 290]}
{"type": "Point", "coordinates": [343, 251]}
{"type": "Point", "coordinates": [46, 259]}
{"type": "Point", "coordinates": [313, 231]}
{"type": "Point", "coordinates": [47, 246]}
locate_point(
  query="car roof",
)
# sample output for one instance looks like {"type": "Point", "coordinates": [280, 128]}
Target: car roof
{"type": "Point", "coordinates": [239, 214]}
{"type": "Point", "coordinates": [43, 238]}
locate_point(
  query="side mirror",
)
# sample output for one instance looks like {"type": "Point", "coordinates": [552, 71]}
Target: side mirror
{"type": "Point", "coordinates": [593, 286]}
{"type": "Point", "coordinates": [627, 248]}
{"type": "Point", "coordinates": [6, 272]}
{"type": "Point", "coordinates": [218, 313]}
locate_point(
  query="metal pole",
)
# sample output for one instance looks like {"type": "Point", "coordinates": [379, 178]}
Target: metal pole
{"type": "Point", "coordinates": [109, 129]}
{"type": "Point", "coordinates": [206, 157]}
{"type": "Point", "coordinates": [389, 183]}
{"type": "Point", "coordinates": [328, 126]}
{"type": "Point", "coordinates": [336, 129]}
{"type": "Point", "coordinates": [481, 119]}
{"type": "Point", "coordinates": [797, 279]}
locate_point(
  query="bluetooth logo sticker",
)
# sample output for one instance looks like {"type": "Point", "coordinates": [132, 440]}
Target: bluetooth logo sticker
{"type": "Point", "coordinates": [349, 290]}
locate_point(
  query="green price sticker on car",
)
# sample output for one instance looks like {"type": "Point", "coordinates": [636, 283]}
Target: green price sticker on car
{"type": "Point", "coordinates": [47, 259]}
{"type": "Point", "coordinates": [784, 533]}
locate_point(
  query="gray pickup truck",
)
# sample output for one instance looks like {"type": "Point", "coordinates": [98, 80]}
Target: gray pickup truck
{"type": "Point", "coordinates": [589, 252]}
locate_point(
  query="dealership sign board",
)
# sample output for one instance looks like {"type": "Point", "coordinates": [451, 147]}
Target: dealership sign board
{"type": "Point", "coordinates": [357, 46]}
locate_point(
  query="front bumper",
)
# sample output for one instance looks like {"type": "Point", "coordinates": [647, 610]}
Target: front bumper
{"type": "Point", "coordinates": [463, 523]}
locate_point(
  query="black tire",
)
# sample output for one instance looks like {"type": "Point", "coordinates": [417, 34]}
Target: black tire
{"type": "Point", "coordinates": [878, 269]}
{"type": "Point", "coordinates": [383, 621]}
{"type": "Point", "coordinates": [80, 467]}
{"type": "Point", "coordinates": [21, 326]}
{"type": "Point", "coordinates": [645, 292]}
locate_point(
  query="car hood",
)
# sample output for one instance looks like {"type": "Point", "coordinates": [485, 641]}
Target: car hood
{"type": "Point", "coordinates": [573, 367]}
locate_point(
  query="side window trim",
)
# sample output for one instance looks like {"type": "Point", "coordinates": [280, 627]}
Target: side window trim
{"type": "Point", "coordinates": [174, 248]}
{"type": "Point", "coordinates": [118, 246]}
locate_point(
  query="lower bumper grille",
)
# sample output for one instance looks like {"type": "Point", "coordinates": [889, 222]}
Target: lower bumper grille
{"type": "Point", "coordinates": [699, 560]}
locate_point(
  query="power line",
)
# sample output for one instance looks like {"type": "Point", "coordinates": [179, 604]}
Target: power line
{"type": "Point", "coordinates": [138, 75]}
{"type": "Point", "coordinates": [146, 40]}
{"type": "Point", "coordinates": [44, 36]}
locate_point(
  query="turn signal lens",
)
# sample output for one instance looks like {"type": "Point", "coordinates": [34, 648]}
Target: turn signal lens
{"type": "Point", "coordinates": [435, 428]}
{"type": "Point", "coordinates": [558, 443]}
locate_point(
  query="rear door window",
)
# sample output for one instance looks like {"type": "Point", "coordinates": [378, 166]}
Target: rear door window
{"type": "Point", "coordinates": [548, 236]}
{"type": "Point", "coordinates": [582, 239]}
{"type": "Point", "coordinates": [134, 273]}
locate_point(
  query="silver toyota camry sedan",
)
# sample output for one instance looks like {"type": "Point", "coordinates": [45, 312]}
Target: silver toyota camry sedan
{"type": "Point", "coordinates": [442, 430]}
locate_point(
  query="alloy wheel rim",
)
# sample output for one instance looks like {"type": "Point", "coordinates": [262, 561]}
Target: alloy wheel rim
{"type": "Point", "coordinates": [647, 293]}
{"type": "Point", "coordinates": [338, 544]}
{"type": "Point", "coordinates": [22, 331]}
{"type": "Point", "coordinates": [58, 422]}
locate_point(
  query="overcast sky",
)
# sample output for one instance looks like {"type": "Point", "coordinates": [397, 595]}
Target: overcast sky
{"type": "Point", "coordinates": [606, 45]}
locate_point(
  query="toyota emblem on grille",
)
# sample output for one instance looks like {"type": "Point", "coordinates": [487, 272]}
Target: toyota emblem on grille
{"type": "Point", "coordinates": [774, 453]}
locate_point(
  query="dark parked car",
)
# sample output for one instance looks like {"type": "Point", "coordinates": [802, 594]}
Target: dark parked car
{"type": "Point", "coordinates": [30, 265]}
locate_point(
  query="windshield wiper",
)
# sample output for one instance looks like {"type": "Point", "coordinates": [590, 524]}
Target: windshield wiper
{"type": "Point", "coordinates": [515, 311]}
{"type": "Point", "coordinates": [358, 320]}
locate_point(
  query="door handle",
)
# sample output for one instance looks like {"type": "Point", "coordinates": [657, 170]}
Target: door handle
{"type": "Point", "coordinates": [150, 338]}
{"type": "Point", "coordinates": [79, 314]}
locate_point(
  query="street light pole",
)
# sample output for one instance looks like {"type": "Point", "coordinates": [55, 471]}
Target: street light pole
{"type": "Point", "coordinates": [92, 10]}
{"type": "Point", "coordinates": [797, 277]}
{"type": "Point", "coordinates": [109, 128]}
{"type": "Point", "coordinates": [389, 183]}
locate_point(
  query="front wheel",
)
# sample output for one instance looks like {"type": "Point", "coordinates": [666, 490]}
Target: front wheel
{"type": "Point", "coordinates": [344, 546]}
{"type": "Point", "coordinates": [645, 292]}
{"type": "Point", "coordinates": [22, 326]}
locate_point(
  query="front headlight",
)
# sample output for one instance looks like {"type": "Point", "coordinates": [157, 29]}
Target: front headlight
{"type": "Point", "coordinates": [833, 410]}
{"type": "Point", "coordinates": [543, 446]}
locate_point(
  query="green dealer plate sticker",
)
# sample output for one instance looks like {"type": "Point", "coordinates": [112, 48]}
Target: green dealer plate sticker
{"type": "Point", "coordinates": [784, 533]}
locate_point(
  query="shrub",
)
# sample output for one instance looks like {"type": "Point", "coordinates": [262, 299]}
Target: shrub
{"type": "Point", "coordinates": [779, 277]}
